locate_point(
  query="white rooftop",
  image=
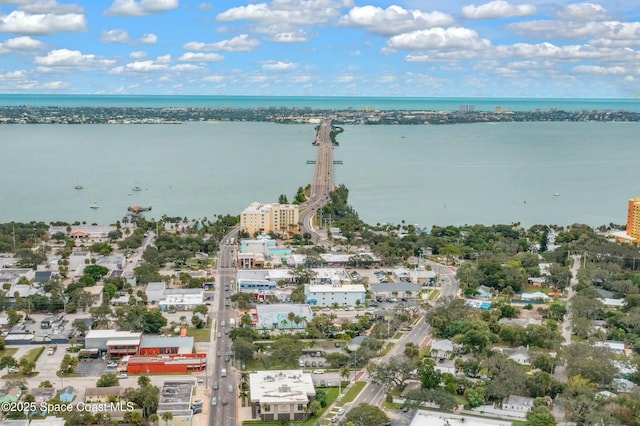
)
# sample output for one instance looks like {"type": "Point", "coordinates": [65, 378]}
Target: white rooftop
{"type": "Point", "coordinates": [281, 387]}
{"type": "Point", "coordinates": [328, 288]}
{"type": "Point", "coordinates": [431, 418]}
{"type": "Point", "coordinates": [112, 334]}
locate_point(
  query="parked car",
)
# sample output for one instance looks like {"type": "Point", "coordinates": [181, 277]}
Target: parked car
{"type": "Point", "coordinates": [123, 376]}
{"type": "Point", "coordinates": [216, 386]}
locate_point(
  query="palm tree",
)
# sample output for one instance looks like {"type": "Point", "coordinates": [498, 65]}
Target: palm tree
{"type": "Point", "coordinates": [345, 372]}
{"type": "Point", "coordinates": [166, 416]}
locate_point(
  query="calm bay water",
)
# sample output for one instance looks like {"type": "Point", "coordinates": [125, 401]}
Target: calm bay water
{"type": "Point", "coordinates": [427, 175]}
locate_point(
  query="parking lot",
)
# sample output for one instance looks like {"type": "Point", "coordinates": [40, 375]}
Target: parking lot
{"type": "Point", "coordinates": [93, 367]}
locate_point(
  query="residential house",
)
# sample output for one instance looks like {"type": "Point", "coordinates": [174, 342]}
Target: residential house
{"type": "Point", "coordinates": [520, 355]}
{"type": "Point", "coordinates": [617, 347]}
{"type": "Point", "coordinates": [443, 349]}
{"type": "Point", "coordinates": [518, 403]}
{"type": "Point", "coordinates": [522, 322]}
{"type": "Point", "coordinates": [96, 293]}
{"type": "Point", "coordinates": [43, 395]}
{"type": "Point", "coordinates": [537, 295]}
{"type": "Point", "coordinates": [101, 395]}
{"type": "Point", "coordinates": [484, 292]}
{"type": "Point", "coordinates": [10, 394]}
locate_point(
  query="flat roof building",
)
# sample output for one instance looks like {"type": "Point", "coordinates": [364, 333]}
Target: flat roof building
{"type": "Point", "coordinates": [276, 317]}
{"type": "Point", "coordinates": [265, 218]}
{"type": "Point", "coordinates": [433, 418]}
{"type": "Point", "coordinates": [330, 294]}
{"type": "Point", "coordinates": [633, 218]}
{"type": "Point", "coordinates": [116, 343]}
{"type": "Point", "coordinates": [280, 395]}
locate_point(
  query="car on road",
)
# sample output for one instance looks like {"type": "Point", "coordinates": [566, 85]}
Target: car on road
{"type": "Point", "coordinates": [214, 401]}
{"type": "Point", "coordinates": [225, 401]}
{"type": "Point", "coordinates": [222, 324]}
{"type": "Point", "coordinates": [216, 386]}
{"type": "Point", "coordinates": [226, 358]}
{"type": "Point", "coordinates": [230, 388]}
{"type": "Point", "coordinates": [341, 411]}
{"type": "Point", "coordinates": [219, 335]}
{"type": "Point", "coordinates": [112, 364]}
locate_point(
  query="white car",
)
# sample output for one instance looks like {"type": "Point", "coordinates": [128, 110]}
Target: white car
{"type": "Point", "coordinates": [123, 376]}
{"type": "Point", "coordinates": [318, 371]}
{"type": "Point", "coordinates": [341, 411]}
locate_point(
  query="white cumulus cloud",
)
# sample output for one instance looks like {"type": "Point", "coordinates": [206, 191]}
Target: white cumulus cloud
{"type": "Point", "coordinates": [21, 22]}
{"type": "Point", "coordinates": [596, 69]}
{"type": "Point", "coordinates": [583, 12]}
{"type": "Point", "coordinates": [22, 43]}
{"type": "Point", "coordinates": [292, 12]}
{"type": "Point", "coordinates": [201, 57]}
{"type": "Point", "coordinates": [149, 39]}
{"type": "Point", "coordinates": [65, 58]}
{"type": "Point", "coordinates": [141, 7]}
{"type": "Point", "coordinates": [279, 66]}
{"type": "Point", "coordinates": [438, 38]}
{"type": "Point", "coordinates": [241, 43]}
{"type": "Point", "coordinates": [497, 9]}
{"type": "Point", "coordinates": [394, 19]}
{"type": "Point", "coordinates": [115, 36]}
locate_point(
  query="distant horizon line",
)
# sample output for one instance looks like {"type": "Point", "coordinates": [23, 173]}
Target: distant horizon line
{"type": "Point", "coordinates": [636, 98]}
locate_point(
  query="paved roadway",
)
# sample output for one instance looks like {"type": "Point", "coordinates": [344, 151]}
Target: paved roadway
{"type": "Point", "coordinates": [373, 393]}
{"type": "Point", "coordinates": [323, 181]}
{"type": "Point", "coordinates": [450, 286]}
{"type": "Point", "coordinates": [223, 414]}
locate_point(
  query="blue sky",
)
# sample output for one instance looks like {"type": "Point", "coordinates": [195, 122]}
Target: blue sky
{"type": "Point", "coordinates": [413, 48]}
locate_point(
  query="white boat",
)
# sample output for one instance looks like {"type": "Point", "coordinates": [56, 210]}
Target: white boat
{"type": "Point", "coordinates": [79, 187]}
{"type": "Point", "coordinates": [556, 194]}
{"type": "Point", "coordinates": [136, 188]}
{"type": "Point", "coordinates": [94, 206]}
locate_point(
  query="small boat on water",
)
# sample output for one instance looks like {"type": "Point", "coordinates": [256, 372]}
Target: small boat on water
{"type": "Point", "coordinates": [556, 194]}
{"type": "Point", "coordinates": [79, 187]}
{"type": "Point", "coordinates": [136, 188]}
{"type": "Point", "coordinates": [94, 206]}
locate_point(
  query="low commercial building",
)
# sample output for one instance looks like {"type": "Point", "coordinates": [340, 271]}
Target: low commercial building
{"type": "Point", "coordinates": [434, 418]}
{"type": "Point", "coordinates": [176, 398]}
{"type": "Point", "coordinates": [158, 345]}
{"type": "Point", "coordinates": [518, 403]}
{"type": "Point", "coordinates": [116, 343]}
{"type": "Point", "coordinates": [155, 291]}
{"type": "Point", "coordinates": [167, 364]}
{"type": "Point", "coordinates": [280, 395]}
{"type": "Point", "coordinates": [330, 295]}
{"type": "Point", "coordinates": [385, 290]}
{"type": "Point", "coordinates": [182, 299]}
{"type": "Point", "coordinates": [277, 316]}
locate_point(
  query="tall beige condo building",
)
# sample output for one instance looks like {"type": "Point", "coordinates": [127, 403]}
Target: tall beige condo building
{"type": "Point", "coordinates": [633, 218]}
{"type": "Point", "coordinates": [259, 218]}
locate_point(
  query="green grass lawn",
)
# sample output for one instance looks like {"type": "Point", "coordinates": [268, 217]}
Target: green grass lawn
{"type": "Point", "coordinates": [434, 294]}
{"type": "Point", "coordinates": [386, 349]}
{"type": "Point", "coordinates": [353, 392]}
{"type": "Point", "coordinates": [34, 354]}
{"type": "Point", "coordinates": [199, 334]}
{"type": "Point", "coordinates": [8, 352]}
